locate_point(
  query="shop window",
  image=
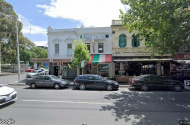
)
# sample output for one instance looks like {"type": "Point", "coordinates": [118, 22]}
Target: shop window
{"type": "Point", "coordinates": [135, 41]}
{"type": "Point", "coordinates": [100, 47]}
{"type": "Point", "coordinates": [56, 48]}
{"type": "Point", "coordinates": [122, 40]}
{"type": "Point", "coordinates": [103, 70]}
{"type": "Point", "coordinates": [69, 49]}
{"type": "Point", "coordinates": [88, 46]}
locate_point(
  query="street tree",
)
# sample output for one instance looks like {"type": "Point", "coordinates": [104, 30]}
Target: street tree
{"type": "Point", "coordinates": [8, 35]}
{"type": "Point", "coordinates": [164, 23]}
{"type": "Point", "coordinates": [81, 53]}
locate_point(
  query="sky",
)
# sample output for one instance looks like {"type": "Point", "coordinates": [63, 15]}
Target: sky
{"type": "Point", "coordinates": [37, 15]}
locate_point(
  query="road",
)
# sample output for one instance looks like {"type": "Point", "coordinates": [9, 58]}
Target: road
{"type": "Point", "coordinates": [10, 79]}
{"type": "Point", "coordinates": [69, 106]}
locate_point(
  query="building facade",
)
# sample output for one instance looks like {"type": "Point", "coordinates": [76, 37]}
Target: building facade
{"type": "Point", "coordinates": [130, 55]}
{"type": "Point", "coordinates": [98, 41]}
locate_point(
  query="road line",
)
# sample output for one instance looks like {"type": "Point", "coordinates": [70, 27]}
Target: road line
{"type": "Point", "coordinates": [67, 102]}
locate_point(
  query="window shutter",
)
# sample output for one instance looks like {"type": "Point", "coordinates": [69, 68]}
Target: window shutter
{"type": "Point", "coordinates": [138, 41]}
{"type": "Point", "coordinates": [133, 42]}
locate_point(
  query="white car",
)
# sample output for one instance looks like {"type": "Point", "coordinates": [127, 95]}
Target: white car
{"type": "Point", "coordinates": [35, 73]}
{"type": "Point", "coordinates": [7, 95]}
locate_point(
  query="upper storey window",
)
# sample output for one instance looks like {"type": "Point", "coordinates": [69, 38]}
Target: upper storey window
{"type": "Point", "coordinates": [122, 40]}
{"type": "Point", "coordinates": [135, 41]}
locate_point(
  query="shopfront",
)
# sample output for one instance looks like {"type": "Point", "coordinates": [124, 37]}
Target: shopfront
{"type": "Point", "coordinates": [126, 68]}
{"type": "Point", "coordinates": [100, 64]}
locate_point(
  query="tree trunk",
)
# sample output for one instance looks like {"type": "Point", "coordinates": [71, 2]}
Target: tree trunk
{"type": "Point", "coordinates": [78, 70]}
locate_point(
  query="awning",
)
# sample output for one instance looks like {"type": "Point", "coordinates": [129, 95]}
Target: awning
{"type": "Point", "coordinates": [100, 58]}
{"type": "Point", "coordinates": [140, 59]}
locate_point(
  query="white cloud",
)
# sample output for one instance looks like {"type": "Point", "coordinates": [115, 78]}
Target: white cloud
{"type": "Point", "coordinates": [97, 13]}
{"type": "Point", "coordinates": [41, 43]}
{"type": "Point", "coordinates": [29, 28]}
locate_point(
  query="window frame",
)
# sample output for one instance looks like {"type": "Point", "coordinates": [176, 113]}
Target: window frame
{"type": "Point", "coordinates": [125, 37]}
{"type": "Point", "coordinates": [57, 49]}
{"type": "Point", "coordinates": [99, 51]}
{"type": "Point", "coordinates": [88, 44]}
{"type": "Point", "coordinates": [69, 48]}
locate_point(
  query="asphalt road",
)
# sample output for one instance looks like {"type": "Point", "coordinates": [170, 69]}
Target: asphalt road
{"type": "Point", "coordinates": [97, 107]}
{"type": "Point", "coordinates": [13, 78]}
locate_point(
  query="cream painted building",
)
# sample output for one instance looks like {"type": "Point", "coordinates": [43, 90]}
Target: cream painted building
{"type": "Point", "coordinates": [130, 55]}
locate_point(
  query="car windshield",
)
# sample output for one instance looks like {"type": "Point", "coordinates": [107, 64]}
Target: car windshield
{"type": "Point", "coordinates": [139, 77]}
{"type": "Point", "coordinates": [54, 77]}
{"type": "Point", "coordinates": [34, 71]}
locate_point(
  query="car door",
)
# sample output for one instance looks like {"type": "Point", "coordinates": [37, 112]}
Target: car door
{"type": "Point", "coordinates": [47, 82]}
{"type": "Point", "coordinates": [153, 81]}
{"type": "Point", "coordinates": [99, 82]}
{"type": "Point", "coordinates": [39, 81]}
{"type": "Point", "coordinates": [90, 83]}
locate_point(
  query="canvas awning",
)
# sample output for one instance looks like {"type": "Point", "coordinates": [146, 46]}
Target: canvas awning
{"type": "Point", "coordinates": [100, 58]}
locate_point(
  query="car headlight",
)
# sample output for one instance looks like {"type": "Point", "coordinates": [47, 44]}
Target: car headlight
{"type": "Point", "coordinates": [2, 97]}
{"type": "Point", "coordinates": [115, 83]}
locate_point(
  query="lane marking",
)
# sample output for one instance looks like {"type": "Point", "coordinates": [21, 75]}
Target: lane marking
{"type": "Point", "coordinates": [67, 102]}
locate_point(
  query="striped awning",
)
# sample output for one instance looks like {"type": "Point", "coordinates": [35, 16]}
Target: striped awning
{"type": "Point", "coordinates": [100, 58]}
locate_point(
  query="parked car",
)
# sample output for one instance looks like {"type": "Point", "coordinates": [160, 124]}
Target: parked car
{"type": "Point", "coordinates": [35, 73]}
{"type": "Point", "coordinates": [29, 70]}
{"type": "Point", "coordinates": [146, 82]}
{"type": "Point", "coordinates": [47, 81]}
{"type": "Point", "coordinates": [7, 95]}
{"type": "Point", "coordinates": [94, 81]}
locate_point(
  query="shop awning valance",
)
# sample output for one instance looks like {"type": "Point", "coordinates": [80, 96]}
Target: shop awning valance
{"type": "Point", "coordinates": [100, 58]}
{"type": "Point", "coordinates": [140, 59]}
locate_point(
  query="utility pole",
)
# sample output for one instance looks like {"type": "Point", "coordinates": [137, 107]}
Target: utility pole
{"type": "Point", "coordinates": [18, 54]}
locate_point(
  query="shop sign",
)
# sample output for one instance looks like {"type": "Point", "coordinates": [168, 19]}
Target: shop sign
{"type": "Point", "coordinates": [142, 54]}
{"type": "Point", "coordinates": [96, 37]}
{"type": "Point", "coordinates": [182, 56]}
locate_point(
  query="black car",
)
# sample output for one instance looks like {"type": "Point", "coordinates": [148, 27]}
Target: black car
{"type": "Point", "coordinates": [145, 82]}
{"type": "Point", "coordinates": [94, 81]}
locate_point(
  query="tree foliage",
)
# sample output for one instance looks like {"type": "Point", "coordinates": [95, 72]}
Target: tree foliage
{"type": "Point", "coordinates": [165, 23]}
{"type": "Point", "coordinates": [8, 37]}
{"type": "Point", "coordinates": [80, 52]}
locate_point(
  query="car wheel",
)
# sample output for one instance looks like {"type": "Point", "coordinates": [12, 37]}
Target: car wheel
{"type": "Point", "coordinates": [33, 85]}
{"type": "Point", "coordinates": [109, 87]}
{"type": "Point", "coordinates": [144, 87]}
{"type": "Point", "coordinates": [82, 87]}
{"type": "Point", "coordinates": [177, 88]}
{"type": "Point", "coordinates": [57, 86]}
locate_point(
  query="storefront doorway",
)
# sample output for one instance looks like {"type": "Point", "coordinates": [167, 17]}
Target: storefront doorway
{"type": "Point", "coordinates": [134, 69]}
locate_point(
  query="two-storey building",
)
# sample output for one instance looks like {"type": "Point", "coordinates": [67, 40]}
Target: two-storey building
{"type": "Point", "coordinates": [130, 54]}
{"type": "Point", "coordinates": [98, 41]}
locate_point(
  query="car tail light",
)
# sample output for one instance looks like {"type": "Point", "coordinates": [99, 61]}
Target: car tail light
{"type": "Point", "coordinates": [133, 82]}
{"type": "Point", "coordinates": [75, 80]}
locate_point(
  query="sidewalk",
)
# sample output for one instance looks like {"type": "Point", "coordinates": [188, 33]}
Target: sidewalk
{"type": "Point", "coordinates": [6, 73]}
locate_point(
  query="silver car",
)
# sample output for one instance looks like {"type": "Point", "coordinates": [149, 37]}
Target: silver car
{"type": "Point", "coordinates": [35, 73]}
{"type": "Point", "coordinates": [7, 95]}
{"type": "Point", "coordinates": [47, 81]}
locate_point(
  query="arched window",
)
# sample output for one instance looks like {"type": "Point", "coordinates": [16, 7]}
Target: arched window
{"type": "Point", "coordinates": [135, 41]}
{"type": "Point", "coordinates": [122, 40]}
